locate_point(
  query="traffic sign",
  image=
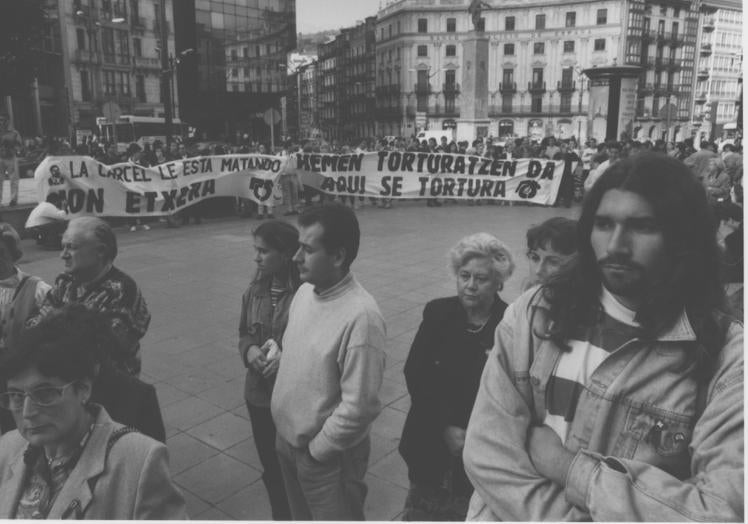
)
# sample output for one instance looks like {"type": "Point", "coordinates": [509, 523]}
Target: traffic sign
{"type": "Point", "coordinates": [271, 116]}
{"type": "Point", "coordinates": [111, 111]}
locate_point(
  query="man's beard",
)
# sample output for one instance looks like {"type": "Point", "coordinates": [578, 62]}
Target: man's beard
{"type": "Point", "coordinates": [623, 277]}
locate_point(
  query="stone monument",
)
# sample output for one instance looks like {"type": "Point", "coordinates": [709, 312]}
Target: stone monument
{"type": "Point", "coordinates": [474, 121]}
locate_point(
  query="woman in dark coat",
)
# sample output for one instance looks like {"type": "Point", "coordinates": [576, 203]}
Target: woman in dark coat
{"type": "Point", "coordinates": [443, 371]}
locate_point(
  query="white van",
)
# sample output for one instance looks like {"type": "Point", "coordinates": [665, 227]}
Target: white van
{"type": "Point", "coordinates": [436, 134]}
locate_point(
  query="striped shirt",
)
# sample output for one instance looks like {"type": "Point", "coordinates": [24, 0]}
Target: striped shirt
{"type": "Point", "coordinates": [588, 350]}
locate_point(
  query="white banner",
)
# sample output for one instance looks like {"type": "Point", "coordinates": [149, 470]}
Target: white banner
{"type": "Point", "coordinates": [397, 174]}
{"type": "Point", "coordinates": [82, 186]}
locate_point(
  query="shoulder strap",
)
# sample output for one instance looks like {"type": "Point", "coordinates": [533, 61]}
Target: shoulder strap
{"type": "Point", "coordinates": [20, 285]}
{"type": "Point", "coordinates": [118, 434]}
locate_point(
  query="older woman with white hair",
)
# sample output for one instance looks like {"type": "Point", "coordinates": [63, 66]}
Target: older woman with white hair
{"type": "Point", "coordinates": [443, 372]}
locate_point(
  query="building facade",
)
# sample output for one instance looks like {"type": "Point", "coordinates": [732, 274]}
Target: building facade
{"type": "Point", "coordinates": [537, 50]}
{"type": "Point", "coordinates": [111, 51]}
{"type": "Point", "coordinates": [239, 68]}
{"type": "Point", "coordinates": [661, 38]}
{"type": "Point", "coordinates": [308, 125]}
{"type": "Point", "coordinates": [718, 75]}
{"type": "Point", "coordinates": [357, 86]}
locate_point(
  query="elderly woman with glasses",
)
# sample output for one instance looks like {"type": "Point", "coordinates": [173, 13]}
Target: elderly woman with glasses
{"type": "Point", "coordinates": [68, 459]}
{"type": "Point", "coordinates": [443, 372]}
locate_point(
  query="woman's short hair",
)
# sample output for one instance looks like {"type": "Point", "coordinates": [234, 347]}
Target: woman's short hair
{"type": "Point", "coordinates": [70, 343]}
{"type": "Point", "coordinates": [558, 233]}
{"type": "Point", "coordinates": [483, 245]}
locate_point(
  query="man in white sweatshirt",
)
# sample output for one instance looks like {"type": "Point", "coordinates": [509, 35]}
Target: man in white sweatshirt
{"type": "Point", "coordinates": [326, 394]}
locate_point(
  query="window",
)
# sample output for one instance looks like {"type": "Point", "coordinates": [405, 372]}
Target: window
{"type": "Point", "coordinates": [81, 37]}
{"type": "Point", "coordinates": [507, 77]}
{"type": "Point", "coordinates": [509, 23]}
{"type": "Point", "coordinates": [676, 12]}
{"type": "Point", "coordinates": [663, 10]}
{"type": "Point", "coordinates": [571, 19]}
{"type": "Point", "coordinates": [85, 87]}
{"type": "Point", "coordinates": [506, 103]}
{"type": "Point", "coordinates": [124, 83]}
{"type": "Point", "coordinates": [660, 27]}
{"type": "Point", "coordinates": [423, 50]}
{"type": "Point", "coordinates": [537, 76]}
{"type": "Point", "coordinates": [599, 44]}
{"type": "Point", "coordinates": [565, 103]}
{"type": "Point", "coordinates": [509, 49]}
{"type": "Point", "coordinates": [538, 48]}
{"type": "Point", "coordinates": [568, 46]}
{"type": "Point", "coordinates": [539, 21]}
{"type": "Point", "coordinates": [602, 16]}
{"type": "Point", "coordinates": [451, 25]}
{"type": "Point", "coordinates": [451, 50]}
{"type": "Point", "coordinates": [536, 105]}
{"type": "Point", "coordinates": [676, 27]}
{"type": "Point", "coordinates": [107, 43]}
{"type": "Point", "coordinates": [110, 83]}
{"type": "Point", "coordinates": [450, 78]}
{"type": "Point", "coordinates": [137, 47]}
{"type": "Point", "coordinates": [423, 25]}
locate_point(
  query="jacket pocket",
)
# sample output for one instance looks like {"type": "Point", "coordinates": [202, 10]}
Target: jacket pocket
{"type": "Point", "coordinates": [662, 439]}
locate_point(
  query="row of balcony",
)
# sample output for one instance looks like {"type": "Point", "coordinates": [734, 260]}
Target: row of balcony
{"type": "Point", "coordinates": [658, 89]}
{"type": "Point", "coordinates": [452, 110]}
{"type": "Point", "coordinates": [662, 62]}
{"type": "Point", "coordinates": [454, 89]}
{"type": "Point", "coordinates": [665, 37]}
{"type": "Point", "coordinates": [88, 56]}
{"type": "Point", "coordinates": [93, 15]}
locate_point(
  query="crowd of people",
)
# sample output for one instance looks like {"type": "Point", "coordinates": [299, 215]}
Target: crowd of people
{"type": "Point", "coordinates": [611, 389]}
{"type": "Point", "coordinates": [312, 340]}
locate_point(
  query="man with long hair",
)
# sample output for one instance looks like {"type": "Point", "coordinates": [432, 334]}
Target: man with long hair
{"type": "Point", "coordinates": [615, 391]}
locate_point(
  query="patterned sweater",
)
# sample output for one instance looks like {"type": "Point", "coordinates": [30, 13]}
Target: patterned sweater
{"type": "Point", "coordinates": [118, 298]}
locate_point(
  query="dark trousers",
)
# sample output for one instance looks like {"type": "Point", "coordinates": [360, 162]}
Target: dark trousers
{"type": "Point", "coordinates": [263, 429]}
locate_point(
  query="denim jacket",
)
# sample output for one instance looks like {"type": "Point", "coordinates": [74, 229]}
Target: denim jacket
{"type": "Point", "coordinates": [259, 322]}
{"type": "Point", "coordinates": [651, 444]}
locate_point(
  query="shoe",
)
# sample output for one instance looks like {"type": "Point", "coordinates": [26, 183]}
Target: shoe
{"type": "Point", "coordinates": [146, 227]}
{"type": "Point", "coordinates": [133, 228]}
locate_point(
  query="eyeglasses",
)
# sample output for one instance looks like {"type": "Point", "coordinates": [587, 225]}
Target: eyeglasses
{"type": "Point", "coordinates": [42, 397]}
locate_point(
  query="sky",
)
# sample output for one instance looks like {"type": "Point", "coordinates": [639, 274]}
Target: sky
{"type": "Point", "coordinates": [321, 15]}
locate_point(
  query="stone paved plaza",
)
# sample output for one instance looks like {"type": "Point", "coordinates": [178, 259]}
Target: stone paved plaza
{"type": "Point", "coordinates": [193, 278]}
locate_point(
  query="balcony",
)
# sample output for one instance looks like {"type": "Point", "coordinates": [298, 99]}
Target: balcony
{"type": "Point", "coordinates": [508, 88]}
{"type": "Point", "coordinates": [422, 89]}
{"type": "Point", "coordinates": [646, 89]}
{"type": "Point", "coordinates": [708, 25]}
{"type": "Point", "coordinates": [660, 90]}
{"type": "Point", "coordinates": [648, 61]}
{"type": "Point", "coordinates": [451, 89]}
{"type": "Point", "coordinates": [700, 98]}
{"type": "Point", "coordinates": [536, 87]}
{"type": "Point", "coordinates": [85, 56]}
{"type": "Point", "coordinates": [566, 87]}
{"type": "Point", "coordinates": [705, 50]}
{"type": "Point", "coordinates": [157, 27]}
{"type": "Point", "coordinates": [146, 63]}
{"type": "Point", "coordinates": [703, 72]}
{"type": "Point", "coordinates": [138, 23]}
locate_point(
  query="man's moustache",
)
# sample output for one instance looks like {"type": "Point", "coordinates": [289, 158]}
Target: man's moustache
{"type": "Point", "coordinates": [619, 261]}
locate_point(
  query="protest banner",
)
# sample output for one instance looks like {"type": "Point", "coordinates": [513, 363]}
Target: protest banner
{"type": "Point", "coordinates": [400, 174]}
{"type": "Point", "coordinates": [83, 186]}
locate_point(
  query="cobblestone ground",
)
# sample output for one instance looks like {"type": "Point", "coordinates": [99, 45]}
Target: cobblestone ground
{"type": "Point", "coordinates": [193, 278]}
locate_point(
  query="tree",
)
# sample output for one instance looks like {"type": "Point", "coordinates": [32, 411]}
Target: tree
{"type": "Point", "coordinates": [22, 26]}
